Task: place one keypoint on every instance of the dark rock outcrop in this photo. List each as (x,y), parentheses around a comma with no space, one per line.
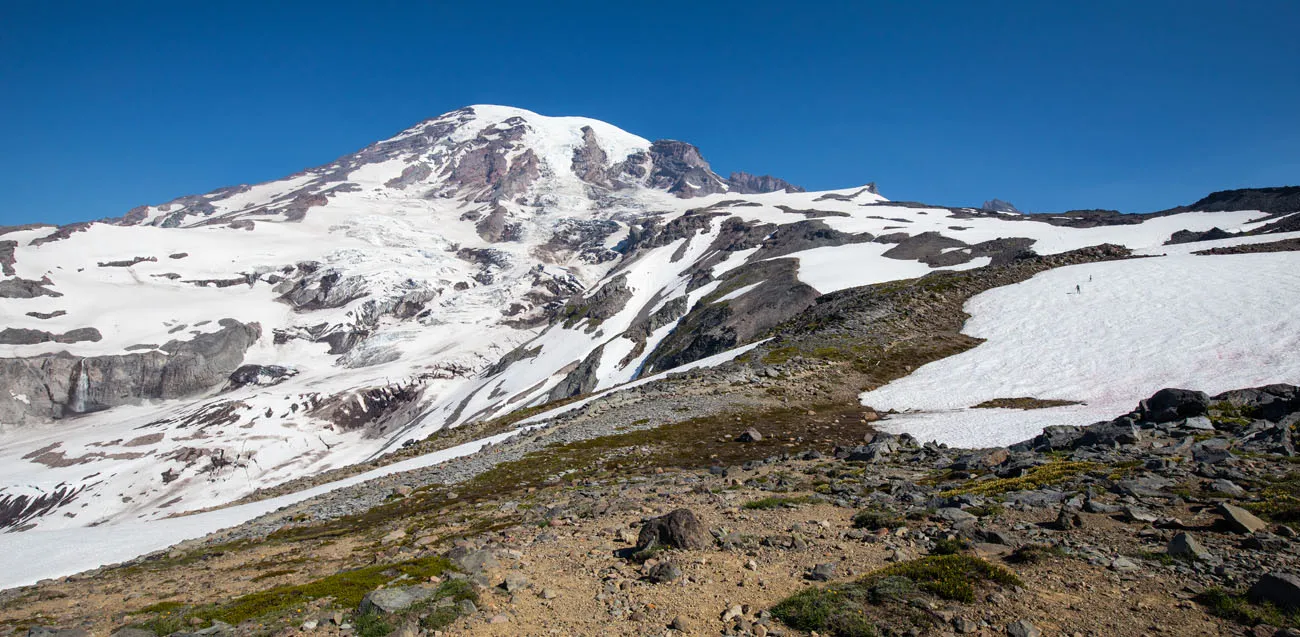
(590,163)
(679,168)
(61,384)
(7,257)
(712,327)
(25,289)
(260,375)
(581,379)
(24,336)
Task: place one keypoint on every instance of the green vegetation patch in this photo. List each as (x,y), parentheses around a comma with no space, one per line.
(890,600)
(444,608)
(345,589)
(1224,414)
(776,502)
(1024,402)
(1236,607)
(876,519)
(1279,499)
(1036,478)
(1036,554)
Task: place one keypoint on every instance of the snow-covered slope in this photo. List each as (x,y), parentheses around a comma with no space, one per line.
(1104,334)
(480,262)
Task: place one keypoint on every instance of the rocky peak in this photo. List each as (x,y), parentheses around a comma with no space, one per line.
(997,205)
(679,168)
(747,184)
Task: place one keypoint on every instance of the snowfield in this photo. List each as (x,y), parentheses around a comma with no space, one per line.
(1210,323)
(40,554)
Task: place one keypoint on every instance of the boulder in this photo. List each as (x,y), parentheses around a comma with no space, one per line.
(1023,628)
(394,600)
(1168,405)
(1239,519)
(1280,589)
(679,529)
(1058,437)
(1066,519)
(472,561)
(982,459)
(1184,545)
(514,583)
(822,572)
(750,435)
(41,631)
(664,573)
(1121,431)
(955,515)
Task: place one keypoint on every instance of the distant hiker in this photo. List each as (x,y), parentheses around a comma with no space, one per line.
(1077,290)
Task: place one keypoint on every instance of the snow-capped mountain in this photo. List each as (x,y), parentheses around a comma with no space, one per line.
(477,263)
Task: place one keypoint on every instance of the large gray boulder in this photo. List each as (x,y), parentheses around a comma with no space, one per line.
(1239,519)
(394,600)
(679,529)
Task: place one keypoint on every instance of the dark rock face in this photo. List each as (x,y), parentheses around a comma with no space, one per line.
(1187,236)
(25,289)
(261,375)
(804,235)
(1174,404)
(23,336)
(609,300)
(321,289)
(61,384)
(412,174)
(7,257)
(586,237)
(63,232)
(939,251)
(16,510)
(679,529)
(376,409)
(711,327)
(127,263)
(590,162)
(679,168)
(581,380)
(747,184)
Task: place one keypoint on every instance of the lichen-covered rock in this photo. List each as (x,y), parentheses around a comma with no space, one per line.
(679,529)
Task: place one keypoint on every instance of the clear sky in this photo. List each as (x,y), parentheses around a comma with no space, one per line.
(1135,105)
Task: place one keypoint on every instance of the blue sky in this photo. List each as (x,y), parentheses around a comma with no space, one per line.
(1051,105)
